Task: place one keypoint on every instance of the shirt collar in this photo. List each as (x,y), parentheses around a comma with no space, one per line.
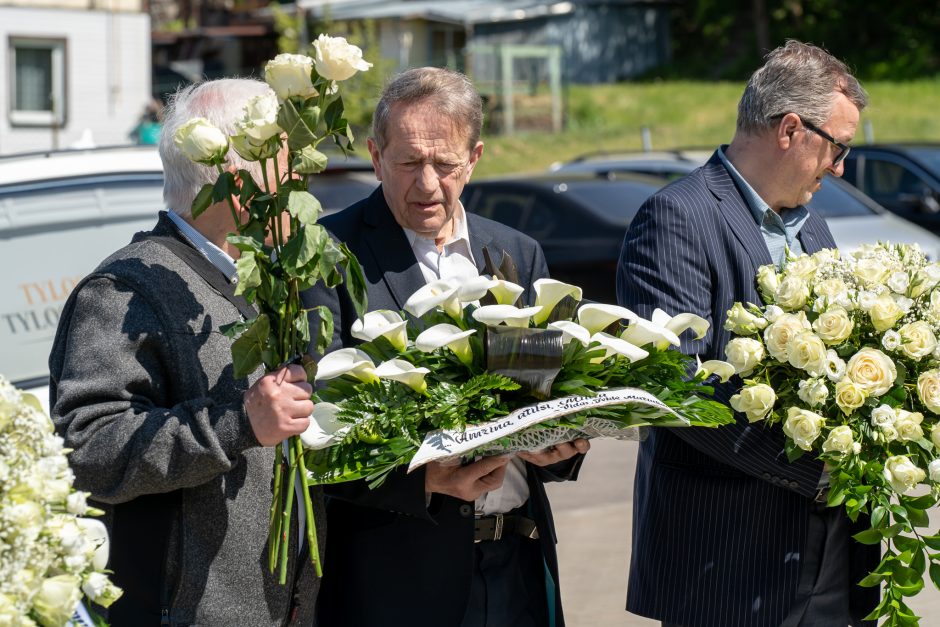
(460,235)
(218,257)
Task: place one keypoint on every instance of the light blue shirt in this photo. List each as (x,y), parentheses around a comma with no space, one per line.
(780,230)
(218,257)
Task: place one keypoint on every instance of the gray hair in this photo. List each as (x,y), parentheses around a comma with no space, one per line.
(221,102)
(448,93)
(796,78)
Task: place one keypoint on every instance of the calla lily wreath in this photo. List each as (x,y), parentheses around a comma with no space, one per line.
(465,353)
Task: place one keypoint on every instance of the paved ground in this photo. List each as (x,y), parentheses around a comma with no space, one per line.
(593,518)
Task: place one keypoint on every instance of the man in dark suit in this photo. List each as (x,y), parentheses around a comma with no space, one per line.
(727,532)
(444,546)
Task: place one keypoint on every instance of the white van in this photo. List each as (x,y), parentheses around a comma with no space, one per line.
(61,214)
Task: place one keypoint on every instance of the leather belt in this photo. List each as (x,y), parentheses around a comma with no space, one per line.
(498,526)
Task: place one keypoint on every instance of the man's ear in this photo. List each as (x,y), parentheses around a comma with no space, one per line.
(788,126)
(375,154)
(475,155)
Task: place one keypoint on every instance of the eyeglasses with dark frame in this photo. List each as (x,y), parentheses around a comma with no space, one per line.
(843,149)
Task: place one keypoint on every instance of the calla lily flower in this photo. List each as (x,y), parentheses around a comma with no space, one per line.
(325,428)
(679,323)
(97,534)
(616,346)
(404,372)
(446,335)
(642,332)
(506,292)
(549,292)
(351,361)
(596,317)
(494,315)
(571,331)
(439,293)
(382,323)
(722,369)
(474,288)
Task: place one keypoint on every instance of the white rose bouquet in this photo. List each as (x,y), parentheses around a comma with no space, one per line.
(466,364)
(844,355)
(50,554)
(283,249)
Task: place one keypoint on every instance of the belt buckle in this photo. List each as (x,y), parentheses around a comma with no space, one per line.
(498,532)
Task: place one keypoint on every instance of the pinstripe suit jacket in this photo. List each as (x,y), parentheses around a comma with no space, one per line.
(720,516)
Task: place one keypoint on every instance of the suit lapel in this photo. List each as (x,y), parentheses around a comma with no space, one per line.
(390,250)
(736,213)
(479,238)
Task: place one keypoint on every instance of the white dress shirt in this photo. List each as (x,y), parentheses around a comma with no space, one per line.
(453,262)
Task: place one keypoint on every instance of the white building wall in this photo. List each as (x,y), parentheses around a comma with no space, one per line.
(107,75)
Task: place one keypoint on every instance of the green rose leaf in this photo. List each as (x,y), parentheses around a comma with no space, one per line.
(309,161)
(244,243)
(333,113)
(249,275)
(202,200)
(249,187)
(249,348)
(299,134)
(324,324)
(302,326)
(356,285)
(224,187)
(304,206)
(868,536)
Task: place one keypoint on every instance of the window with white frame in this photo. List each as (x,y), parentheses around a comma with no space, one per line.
(37,81)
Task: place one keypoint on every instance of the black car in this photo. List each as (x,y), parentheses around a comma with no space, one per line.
(579,220)
(904,178)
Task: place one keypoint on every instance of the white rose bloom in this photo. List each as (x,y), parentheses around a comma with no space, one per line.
(872,370)
(908,425)
(744,354)
(904,303)
(259,120)
(871,271)
(849,395)
(792,293)
(935,436)
(772,312)
(807,352)
(289,75)
(925,279)
(891,340)
(740,321)
(830,288)
(813,392)
(778,335)
(889,433)
(902,474)
(899,282)
(57,598)
(883,416)
(834,325)
(803,427)
(933,468)
(336,59)
(768,281)
(840,441)
(754,401)
(928,390)
(803,266)
(884,313)
(918,340)
(201,141)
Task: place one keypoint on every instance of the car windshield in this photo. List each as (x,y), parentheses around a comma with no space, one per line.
(614,201)
(929,158)
(834,200)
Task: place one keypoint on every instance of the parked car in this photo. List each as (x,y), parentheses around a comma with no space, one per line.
(852,216)
(62,212)
(904,178)
(580,212)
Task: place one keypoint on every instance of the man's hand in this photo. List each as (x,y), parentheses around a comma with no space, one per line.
(466,482)
(279,405)
(556,453)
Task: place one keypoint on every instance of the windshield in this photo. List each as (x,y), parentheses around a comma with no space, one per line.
(614,201)
(835,201)
(929,158)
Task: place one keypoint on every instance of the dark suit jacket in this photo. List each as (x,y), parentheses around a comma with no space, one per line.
(391,558)
(720,516)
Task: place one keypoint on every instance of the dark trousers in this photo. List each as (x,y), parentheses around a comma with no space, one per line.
(508,585)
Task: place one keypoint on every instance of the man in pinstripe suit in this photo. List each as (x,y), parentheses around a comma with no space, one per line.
(726,531)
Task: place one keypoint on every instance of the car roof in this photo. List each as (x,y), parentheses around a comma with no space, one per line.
(40,166)
(545,179)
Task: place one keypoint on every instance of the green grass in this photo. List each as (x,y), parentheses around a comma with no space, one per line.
(688,114)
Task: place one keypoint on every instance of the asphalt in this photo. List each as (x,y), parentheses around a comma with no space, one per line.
(593,517)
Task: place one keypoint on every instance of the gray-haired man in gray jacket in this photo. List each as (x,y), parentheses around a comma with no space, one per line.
(176,450)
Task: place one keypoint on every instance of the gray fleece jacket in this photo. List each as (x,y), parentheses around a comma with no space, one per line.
(142,390)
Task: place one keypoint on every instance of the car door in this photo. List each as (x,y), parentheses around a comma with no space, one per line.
(899,185)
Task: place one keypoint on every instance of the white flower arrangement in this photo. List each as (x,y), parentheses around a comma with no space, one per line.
(50,555)
(844,355)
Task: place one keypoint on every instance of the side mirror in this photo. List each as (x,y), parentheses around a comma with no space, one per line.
(928,201)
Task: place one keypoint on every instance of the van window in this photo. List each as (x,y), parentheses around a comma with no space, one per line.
(52,234)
